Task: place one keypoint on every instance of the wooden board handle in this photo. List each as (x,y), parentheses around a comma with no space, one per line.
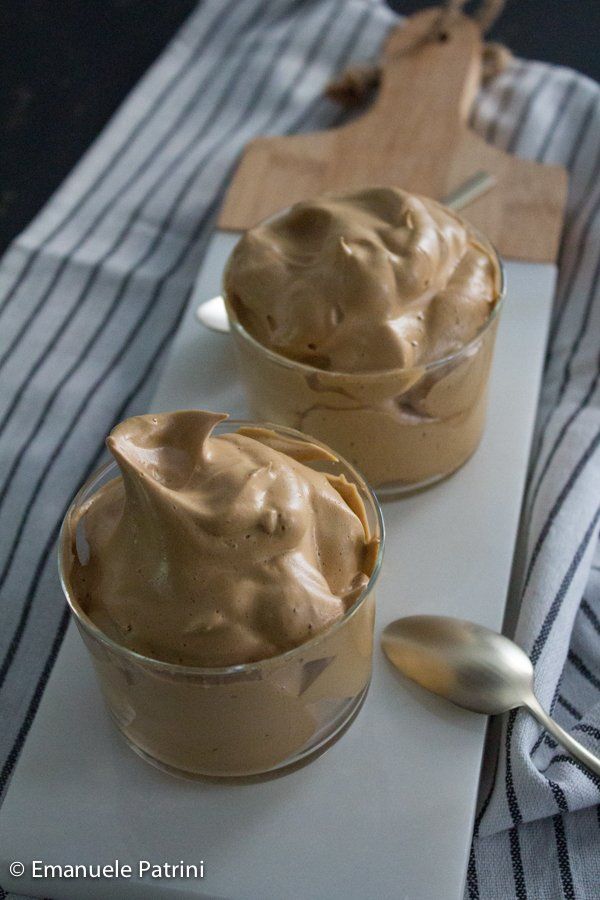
(414,136)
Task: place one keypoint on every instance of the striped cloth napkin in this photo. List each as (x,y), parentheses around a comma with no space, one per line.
(92,292)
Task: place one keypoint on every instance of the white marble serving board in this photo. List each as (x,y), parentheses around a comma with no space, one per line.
(388,811)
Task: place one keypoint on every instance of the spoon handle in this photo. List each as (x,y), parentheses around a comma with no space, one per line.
(574,747)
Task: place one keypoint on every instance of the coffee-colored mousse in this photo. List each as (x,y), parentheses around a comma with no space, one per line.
(367,320)
(217,550)
(374,280)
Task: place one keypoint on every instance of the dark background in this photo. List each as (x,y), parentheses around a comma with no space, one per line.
(67,65)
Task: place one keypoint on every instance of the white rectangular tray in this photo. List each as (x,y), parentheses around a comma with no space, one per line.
(387,812)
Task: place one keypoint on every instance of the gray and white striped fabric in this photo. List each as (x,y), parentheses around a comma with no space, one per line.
(92,292)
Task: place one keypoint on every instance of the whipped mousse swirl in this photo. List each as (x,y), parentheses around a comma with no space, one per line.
(373,280)
(218,550)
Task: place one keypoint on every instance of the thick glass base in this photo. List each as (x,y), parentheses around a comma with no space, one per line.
(319,744)
(398,490)
(395,490)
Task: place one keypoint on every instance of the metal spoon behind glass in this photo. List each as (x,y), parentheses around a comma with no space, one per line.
(473,667)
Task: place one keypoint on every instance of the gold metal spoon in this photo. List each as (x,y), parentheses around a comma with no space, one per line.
(473,667)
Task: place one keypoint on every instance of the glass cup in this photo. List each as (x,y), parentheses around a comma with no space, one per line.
(241,720)
(402,428)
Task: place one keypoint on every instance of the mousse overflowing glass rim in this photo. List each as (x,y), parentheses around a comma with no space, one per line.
(64,547)
(373,374)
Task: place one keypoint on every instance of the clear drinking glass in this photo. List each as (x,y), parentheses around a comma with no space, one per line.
(237,720)
(402,428)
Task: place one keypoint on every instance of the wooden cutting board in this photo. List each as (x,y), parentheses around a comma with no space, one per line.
(414,136)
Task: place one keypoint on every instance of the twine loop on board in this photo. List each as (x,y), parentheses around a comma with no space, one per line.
(352,86)
(485,15)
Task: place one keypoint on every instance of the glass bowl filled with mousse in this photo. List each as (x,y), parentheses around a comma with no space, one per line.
(369,320)
(221,575)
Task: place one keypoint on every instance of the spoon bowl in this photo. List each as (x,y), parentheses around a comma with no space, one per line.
(466,663)
(473,667)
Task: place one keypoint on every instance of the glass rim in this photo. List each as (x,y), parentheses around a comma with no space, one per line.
(276,661)
(373,374)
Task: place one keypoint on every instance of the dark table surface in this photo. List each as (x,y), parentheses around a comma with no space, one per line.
(72,62)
